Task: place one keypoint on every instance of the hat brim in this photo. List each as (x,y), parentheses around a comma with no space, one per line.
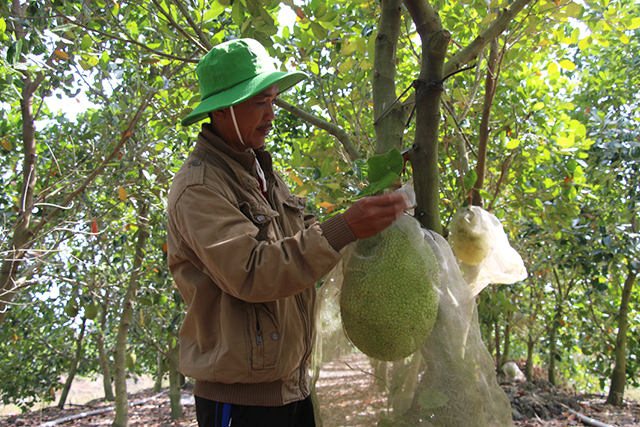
(243,91)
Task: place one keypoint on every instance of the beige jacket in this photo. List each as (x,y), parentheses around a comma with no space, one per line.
(246,268)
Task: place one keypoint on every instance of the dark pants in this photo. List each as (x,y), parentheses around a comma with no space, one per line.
(216,414)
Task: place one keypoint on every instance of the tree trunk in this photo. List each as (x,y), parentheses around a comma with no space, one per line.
(506,347)
(561,296)
(553,349)
(424,155)
(483,132)
(157,385)
(122,407)
(103,359)
(22,234)
(496,327)
(390,128)
(73,369)
(619,374)
(174,381)
(487,326)
(528,369)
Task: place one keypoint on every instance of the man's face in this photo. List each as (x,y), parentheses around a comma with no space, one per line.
(254,117)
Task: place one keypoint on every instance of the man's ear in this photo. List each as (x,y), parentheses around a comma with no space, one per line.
(218,114)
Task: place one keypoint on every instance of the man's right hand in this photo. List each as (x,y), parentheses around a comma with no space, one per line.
(370,215)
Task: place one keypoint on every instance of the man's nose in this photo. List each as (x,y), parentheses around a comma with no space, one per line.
(270,113)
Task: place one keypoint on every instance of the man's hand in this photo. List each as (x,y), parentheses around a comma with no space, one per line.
(370,215)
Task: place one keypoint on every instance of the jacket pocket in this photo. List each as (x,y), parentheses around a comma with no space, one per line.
(265,337)
(294,210)
(262,217)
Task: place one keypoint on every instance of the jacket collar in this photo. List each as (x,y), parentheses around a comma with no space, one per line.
(208,140)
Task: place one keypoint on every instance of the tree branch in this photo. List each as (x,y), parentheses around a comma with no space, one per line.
(114,37)
(203,38)
(494,30)
(178,28)
(503,172)
(331,128)
(389,125)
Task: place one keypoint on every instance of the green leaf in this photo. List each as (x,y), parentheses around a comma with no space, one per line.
(564,141)
(320,11)
(318,30)
(383,171)
(296,158)
(145,301)
(104,59)
(329,16)
(268,19)
(247,24)
(506,304)
(132,26)
(237,13)
(347,65)
(85,65)
(381,164)
(574,10)
(584,43)
(485,195)
(379,186)
(567,65)
(14,51)
(470,179)
(349,48)
(513,143)
(215,9)
(490,17)
(87,42)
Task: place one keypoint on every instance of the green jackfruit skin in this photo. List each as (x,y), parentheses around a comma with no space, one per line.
(389,301)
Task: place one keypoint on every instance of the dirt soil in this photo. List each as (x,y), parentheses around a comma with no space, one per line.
(349,398)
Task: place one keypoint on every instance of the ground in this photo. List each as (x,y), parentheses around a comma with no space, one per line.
(347,395)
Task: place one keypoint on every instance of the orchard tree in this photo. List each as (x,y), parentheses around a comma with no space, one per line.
(505,134)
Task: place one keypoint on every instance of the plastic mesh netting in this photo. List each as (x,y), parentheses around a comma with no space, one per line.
(457,384)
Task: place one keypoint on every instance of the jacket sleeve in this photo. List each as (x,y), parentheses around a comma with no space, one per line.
(223,240)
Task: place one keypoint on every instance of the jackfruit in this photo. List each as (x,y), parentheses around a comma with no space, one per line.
(91,310)
(71,308)
(130,360)
(389,298)
(469,238)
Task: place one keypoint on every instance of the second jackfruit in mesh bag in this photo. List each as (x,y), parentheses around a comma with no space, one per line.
(482,248)
(389,297)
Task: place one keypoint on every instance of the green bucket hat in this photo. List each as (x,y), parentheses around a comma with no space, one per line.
(233,72)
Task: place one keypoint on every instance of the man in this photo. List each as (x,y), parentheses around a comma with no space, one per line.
(243,253)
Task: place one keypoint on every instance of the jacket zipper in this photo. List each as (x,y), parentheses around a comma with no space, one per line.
(259,341)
